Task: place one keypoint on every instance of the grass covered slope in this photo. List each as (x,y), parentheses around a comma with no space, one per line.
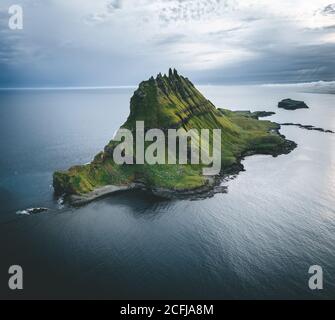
(171,102)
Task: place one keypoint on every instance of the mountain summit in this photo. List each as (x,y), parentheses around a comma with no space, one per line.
(171,101)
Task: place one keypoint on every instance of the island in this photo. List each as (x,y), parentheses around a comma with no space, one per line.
(171,102)
(289,104)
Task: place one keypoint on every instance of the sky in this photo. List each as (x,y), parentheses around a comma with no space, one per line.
(121,42)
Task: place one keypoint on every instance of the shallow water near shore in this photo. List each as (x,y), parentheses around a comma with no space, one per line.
(258,240)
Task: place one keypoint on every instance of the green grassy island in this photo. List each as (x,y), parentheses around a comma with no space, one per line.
(172,102)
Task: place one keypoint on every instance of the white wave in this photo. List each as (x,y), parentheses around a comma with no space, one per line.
(23,212)
(60,202)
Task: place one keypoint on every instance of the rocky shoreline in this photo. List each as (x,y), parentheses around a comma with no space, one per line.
(213,183)
(212,186)
(79,200)
(306,127)
(206,191)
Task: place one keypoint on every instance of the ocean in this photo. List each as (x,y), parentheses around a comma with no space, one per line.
(257,241)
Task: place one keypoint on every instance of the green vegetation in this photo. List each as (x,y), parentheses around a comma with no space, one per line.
(172,101)
(254,115)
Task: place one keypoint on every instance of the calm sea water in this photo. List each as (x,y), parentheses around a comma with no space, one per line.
(256,241)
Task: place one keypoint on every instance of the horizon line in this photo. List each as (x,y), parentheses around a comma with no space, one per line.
(67,88)
(135,86)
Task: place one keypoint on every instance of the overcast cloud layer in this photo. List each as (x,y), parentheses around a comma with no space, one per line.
(120,42)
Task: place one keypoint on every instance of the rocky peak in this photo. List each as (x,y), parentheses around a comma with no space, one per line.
(168,101)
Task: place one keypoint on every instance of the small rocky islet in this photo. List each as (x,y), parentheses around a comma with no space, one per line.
(289,104)
(172,101)
(32,211)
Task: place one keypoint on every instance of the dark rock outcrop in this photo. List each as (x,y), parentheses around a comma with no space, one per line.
(289,104)
(32,211)
(306,127)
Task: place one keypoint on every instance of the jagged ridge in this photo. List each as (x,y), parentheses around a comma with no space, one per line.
(171,102)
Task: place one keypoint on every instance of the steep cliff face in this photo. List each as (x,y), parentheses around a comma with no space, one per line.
(171,102)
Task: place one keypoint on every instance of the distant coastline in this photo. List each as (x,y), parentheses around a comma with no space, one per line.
(327,87)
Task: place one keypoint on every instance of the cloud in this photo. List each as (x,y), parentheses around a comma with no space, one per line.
(114,5)
(121,42)
(329,10)
(315,87)
(105,14)
(190,10)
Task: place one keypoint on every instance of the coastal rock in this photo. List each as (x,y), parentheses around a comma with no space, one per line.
(79,200)
(32,211)
(307,127)
(262,114)
(289,104)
